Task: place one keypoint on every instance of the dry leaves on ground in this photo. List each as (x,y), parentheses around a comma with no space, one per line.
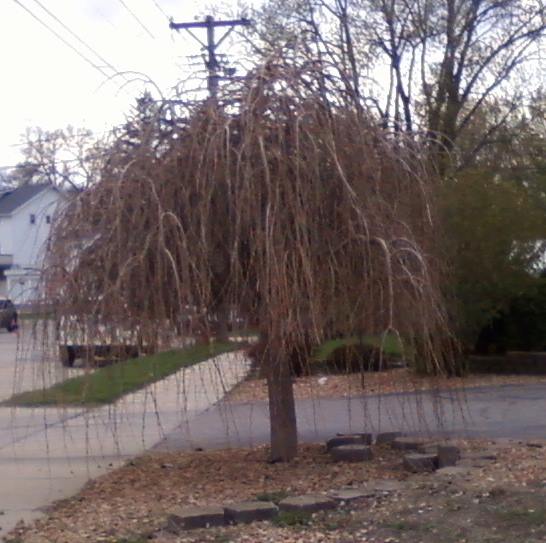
(131,503)
(396,380)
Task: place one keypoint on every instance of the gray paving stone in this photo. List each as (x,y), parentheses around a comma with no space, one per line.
(428,449)
(480,455)
(448,455)
(385,438)
(349,439)
(419,463)
(351,453)
(473,463)
(387,485)
(188,518)
(350,494)
(245,512)
(410,443)
(454,471)
(308,503)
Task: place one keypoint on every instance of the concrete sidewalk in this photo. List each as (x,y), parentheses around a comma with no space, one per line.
(49,453)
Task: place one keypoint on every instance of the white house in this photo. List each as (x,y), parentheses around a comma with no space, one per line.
(26,214)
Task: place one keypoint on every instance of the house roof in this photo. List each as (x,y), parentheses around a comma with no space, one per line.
(11,199)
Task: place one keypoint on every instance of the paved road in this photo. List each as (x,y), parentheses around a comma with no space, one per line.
(511,411)
(49,454)
(23,365)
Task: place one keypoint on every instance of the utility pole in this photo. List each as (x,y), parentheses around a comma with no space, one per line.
(212,64)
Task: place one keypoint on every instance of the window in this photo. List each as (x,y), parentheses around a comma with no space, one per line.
(32,218)
(48,219)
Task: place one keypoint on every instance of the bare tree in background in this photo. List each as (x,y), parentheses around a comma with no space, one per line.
(67,158)
(425,66)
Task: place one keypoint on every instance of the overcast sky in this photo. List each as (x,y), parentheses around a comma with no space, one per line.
(44,83)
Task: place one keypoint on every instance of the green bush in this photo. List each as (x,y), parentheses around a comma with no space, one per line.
(522,326)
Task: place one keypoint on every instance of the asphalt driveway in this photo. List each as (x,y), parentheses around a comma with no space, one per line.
(510,411)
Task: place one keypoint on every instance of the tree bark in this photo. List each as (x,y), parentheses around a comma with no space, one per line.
(282,409)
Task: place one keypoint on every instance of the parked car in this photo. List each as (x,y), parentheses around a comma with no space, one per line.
(8,315)
(101,347)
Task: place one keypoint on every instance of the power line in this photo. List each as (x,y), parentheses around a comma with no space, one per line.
(136,18)
(58,36)
(156,3)
(72,33)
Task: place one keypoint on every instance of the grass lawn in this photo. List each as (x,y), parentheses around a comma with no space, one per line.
(34,315)
(391,345)
(107,384)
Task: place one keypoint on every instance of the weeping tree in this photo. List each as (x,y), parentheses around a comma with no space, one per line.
(289,208)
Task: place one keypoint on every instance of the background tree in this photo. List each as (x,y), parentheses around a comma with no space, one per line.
(64,158)
(496,231)
(424,66)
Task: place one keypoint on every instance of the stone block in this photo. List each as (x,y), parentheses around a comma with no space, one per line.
(350,494)
(349,439)
(351,453)
(188,518)
(308,503)
(385,438)
(250,512)
(420,463)
(386,486)
(473,463)
(428,449)
(448,455)
(410,443)
(486,455)
(454,471)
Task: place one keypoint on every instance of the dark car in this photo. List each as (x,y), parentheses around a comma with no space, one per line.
(8,315)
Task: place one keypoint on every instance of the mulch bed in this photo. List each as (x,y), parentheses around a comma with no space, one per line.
(396,380)
(131,504)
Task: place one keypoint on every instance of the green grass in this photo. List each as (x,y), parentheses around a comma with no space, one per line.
(34,316)
(530,517)
(292,518)
(274,497)
(107,384)
(391,345)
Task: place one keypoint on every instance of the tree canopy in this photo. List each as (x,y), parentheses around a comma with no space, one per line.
(309,221)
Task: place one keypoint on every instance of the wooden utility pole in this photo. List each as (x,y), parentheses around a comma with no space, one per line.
(212,64)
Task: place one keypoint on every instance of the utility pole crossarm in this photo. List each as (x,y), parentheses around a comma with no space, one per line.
(210,24)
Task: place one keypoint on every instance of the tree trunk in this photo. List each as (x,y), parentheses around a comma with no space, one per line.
(282,409)
(222,324)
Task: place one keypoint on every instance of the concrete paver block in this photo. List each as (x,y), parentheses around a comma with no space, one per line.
(188,518)
(250,512)
(351,453)
(480,455)
(454,471)
(386,486)
(419,463)
(349,439)
(350,494)
(385,438)
(410,443)
(307,503)
(448,455)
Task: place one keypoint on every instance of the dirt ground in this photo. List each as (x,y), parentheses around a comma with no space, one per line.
(396,380)
(502,500)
